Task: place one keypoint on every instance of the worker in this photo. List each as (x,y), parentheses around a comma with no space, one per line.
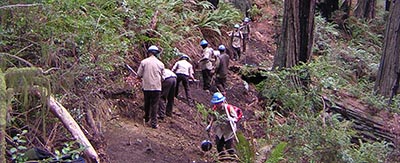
(184,71)
(150,71)
(221,69)
(225,117)
(206,64)
(167,93)
(236,41)
(245,28)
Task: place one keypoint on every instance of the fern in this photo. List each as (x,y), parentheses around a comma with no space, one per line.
(277,153)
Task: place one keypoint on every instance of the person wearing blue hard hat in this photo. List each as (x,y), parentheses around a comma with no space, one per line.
(150,72)
(206,64)
(223,122)
(221,69)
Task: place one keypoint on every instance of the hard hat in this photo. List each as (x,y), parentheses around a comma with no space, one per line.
(217,98)
(153,48)
(206,145)
(203,42)
(237,26)
(246,19)
(221,47)
(184,56)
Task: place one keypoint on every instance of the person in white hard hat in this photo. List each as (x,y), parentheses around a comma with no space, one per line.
(245,28)
(236,41)
(184,71)
(150,71)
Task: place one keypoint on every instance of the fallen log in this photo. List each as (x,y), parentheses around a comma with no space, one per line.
(73,128)
(370,125)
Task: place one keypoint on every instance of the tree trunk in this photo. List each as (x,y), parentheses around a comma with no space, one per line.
(3,119)
(346,7)
(369,125)
(296,40)
(327,7)
(389,70)
(365,9)
(387,5)
(73,128)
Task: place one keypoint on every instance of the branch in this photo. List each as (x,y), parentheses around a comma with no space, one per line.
(20,5)
(18,58)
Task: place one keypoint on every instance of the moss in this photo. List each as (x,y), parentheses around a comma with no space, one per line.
(3,113)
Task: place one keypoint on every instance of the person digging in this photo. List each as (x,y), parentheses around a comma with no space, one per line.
(225,117)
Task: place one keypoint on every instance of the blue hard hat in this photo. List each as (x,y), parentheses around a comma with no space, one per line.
(203,42)
(217,98)
(206,145)
(153,48)
(221,47)
(246,20)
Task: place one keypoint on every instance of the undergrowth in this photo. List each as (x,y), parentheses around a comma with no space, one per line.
(341,63)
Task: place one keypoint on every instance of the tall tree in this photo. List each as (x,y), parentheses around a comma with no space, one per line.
(296,38)
(365,9)
(3,113)
(387,82)
(387,5)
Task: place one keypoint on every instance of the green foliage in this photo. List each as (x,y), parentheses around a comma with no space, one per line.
(69,152)
(277,153)
(18,151)
(203,110)
(245,149)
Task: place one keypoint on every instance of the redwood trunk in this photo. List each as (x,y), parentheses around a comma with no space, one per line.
(365,9)
(389,70)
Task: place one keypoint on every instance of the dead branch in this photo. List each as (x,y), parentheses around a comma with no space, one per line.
(73,128)
(18,58)
(19,5)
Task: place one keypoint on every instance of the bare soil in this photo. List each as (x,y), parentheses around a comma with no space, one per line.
(178,138)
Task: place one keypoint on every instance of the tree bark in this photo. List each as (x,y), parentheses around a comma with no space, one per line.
(387,5)
(365,9)
(73,128)
(389,69)
(295,45)
(3,117)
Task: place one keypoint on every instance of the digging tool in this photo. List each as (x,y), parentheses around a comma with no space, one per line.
(232,123)
(131,69)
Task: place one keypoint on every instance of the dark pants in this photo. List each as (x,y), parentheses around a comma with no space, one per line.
(185,82)
(236,52)
(220,82)
(206,79)
(151,99)
(221,143)
(167,96)
(245,39)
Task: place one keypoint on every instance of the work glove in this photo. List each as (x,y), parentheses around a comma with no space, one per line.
(208,127)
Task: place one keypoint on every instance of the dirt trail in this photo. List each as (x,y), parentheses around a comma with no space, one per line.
(178,137)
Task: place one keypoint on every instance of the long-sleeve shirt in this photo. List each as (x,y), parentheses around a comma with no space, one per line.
(205,62)
(221,65)
(183,67)
(151,70)
(168,74)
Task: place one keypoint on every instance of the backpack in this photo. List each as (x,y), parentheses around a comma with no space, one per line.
(238,111)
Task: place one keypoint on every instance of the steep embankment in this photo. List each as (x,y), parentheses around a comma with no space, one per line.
(179,137)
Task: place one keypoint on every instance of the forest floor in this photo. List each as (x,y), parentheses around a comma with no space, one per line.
(179,137)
